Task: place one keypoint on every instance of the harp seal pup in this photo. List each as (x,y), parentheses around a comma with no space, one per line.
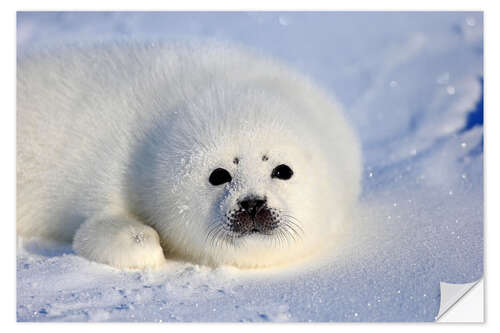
(203,151)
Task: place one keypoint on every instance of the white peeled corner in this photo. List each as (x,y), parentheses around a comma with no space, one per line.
(470,307)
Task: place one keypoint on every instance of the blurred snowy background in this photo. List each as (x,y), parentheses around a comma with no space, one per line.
(411,84)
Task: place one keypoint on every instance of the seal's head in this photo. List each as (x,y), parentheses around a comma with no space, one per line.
(236,178)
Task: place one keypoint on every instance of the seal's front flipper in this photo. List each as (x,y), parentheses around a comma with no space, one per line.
(119,240)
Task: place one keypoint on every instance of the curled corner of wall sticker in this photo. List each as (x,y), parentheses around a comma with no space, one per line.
(461,303)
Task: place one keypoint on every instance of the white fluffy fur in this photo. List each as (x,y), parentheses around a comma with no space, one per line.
(116,144)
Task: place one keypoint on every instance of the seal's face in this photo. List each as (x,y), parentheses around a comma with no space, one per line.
(251,199)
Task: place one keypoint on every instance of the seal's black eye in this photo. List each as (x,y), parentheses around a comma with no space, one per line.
(219,176)
(282,171)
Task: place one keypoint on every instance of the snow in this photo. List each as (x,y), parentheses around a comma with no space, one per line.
(412,87)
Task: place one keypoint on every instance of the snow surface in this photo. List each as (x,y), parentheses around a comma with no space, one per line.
(412,87)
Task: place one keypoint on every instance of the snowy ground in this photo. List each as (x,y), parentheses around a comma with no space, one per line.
(412,87)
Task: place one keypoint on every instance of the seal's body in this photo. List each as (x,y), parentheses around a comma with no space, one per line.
(198,150)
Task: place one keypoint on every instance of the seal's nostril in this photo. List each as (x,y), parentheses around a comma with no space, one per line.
(252,206)
(259,204)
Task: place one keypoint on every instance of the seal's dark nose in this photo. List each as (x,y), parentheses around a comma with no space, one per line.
(252,205)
